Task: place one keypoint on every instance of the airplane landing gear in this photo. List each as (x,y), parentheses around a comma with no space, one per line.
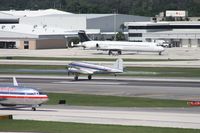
(109,52)
(160,53)
(33,108)
(89,77)
(119,52)
(76,77)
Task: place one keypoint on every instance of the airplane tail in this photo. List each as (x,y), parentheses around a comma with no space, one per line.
(15,82)
(118,64)
(83,37)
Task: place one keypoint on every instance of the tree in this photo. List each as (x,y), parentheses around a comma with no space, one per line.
(120,36)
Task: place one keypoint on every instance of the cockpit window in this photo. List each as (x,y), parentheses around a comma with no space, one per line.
(42,93)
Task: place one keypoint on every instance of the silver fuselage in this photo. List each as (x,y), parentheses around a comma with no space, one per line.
(87,68)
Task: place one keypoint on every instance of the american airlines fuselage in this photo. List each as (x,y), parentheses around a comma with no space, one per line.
(15,95)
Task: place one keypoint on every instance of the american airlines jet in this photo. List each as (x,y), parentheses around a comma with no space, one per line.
(89,69)
(15,95)
(118,46)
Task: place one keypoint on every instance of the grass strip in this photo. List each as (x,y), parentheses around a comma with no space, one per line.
(128,71)
(85,59)
(63,127)
(112,101)
(162,71)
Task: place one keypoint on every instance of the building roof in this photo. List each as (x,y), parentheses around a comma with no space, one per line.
(31,29)
(7,16)
(34,13)
(92,16)
(36,31)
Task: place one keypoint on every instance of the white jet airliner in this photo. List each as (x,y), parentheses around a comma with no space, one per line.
(78,68)
(15,95)
(118,46)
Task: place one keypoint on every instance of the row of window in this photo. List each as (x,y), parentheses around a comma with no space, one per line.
(166,27)
(135,34)
(18,93)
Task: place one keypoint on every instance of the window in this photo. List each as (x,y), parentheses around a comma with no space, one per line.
(135,34)
(26,44)
(166,27)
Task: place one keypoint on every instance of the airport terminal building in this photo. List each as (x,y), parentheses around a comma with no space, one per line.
(177,33)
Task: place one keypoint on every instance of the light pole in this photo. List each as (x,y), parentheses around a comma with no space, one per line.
(115,22)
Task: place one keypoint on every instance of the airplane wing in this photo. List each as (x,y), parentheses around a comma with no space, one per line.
(106,47)
(81,70)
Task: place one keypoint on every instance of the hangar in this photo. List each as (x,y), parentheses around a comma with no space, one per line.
(51,28)
(39,29)
(30,37)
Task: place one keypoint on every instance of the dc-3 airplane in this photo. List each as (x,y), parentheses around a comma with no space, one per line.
(117,46)
(78,68)
(13,96)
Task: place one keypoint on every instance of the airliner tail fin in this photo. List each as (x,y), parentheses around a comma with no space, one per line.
(15,82)
(83,36)
(118,64)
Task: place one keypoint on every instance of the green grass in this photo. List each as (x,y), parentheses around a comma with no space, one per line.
(5,66)
(61,127)
(163,71)
(112,101)
(85,59)
(129,71)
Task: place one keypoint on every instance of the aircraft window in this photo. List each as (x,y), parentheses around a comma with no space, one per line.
(13,93)
(17,93)
(29,93)
(4,92)
(42,93)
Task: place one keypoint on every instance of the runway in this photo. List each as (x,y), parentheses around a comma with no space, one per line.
(177,118)
(185,89)
(164,88)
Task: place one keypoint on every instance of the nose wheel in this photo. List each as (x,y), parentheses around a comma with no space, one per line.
(76,77)
(89,77)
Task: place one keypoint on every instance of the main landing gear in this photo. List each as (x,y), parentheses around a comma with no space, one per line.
(76,77)
(89,77)
(33,108)
(110,52)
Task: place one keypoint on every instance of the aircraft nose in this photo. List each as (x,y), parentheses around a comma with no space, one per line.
(45,98)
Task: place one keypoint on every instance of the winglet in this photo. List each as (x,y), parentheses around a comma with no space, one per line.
(15,82)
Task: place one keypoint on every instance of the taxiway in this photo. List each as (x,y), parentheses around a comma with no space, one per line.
(176,118)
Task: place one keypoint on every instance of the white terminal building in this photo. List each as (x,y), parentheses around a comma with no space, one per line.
(180,34)
(177,33)
(52,28)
